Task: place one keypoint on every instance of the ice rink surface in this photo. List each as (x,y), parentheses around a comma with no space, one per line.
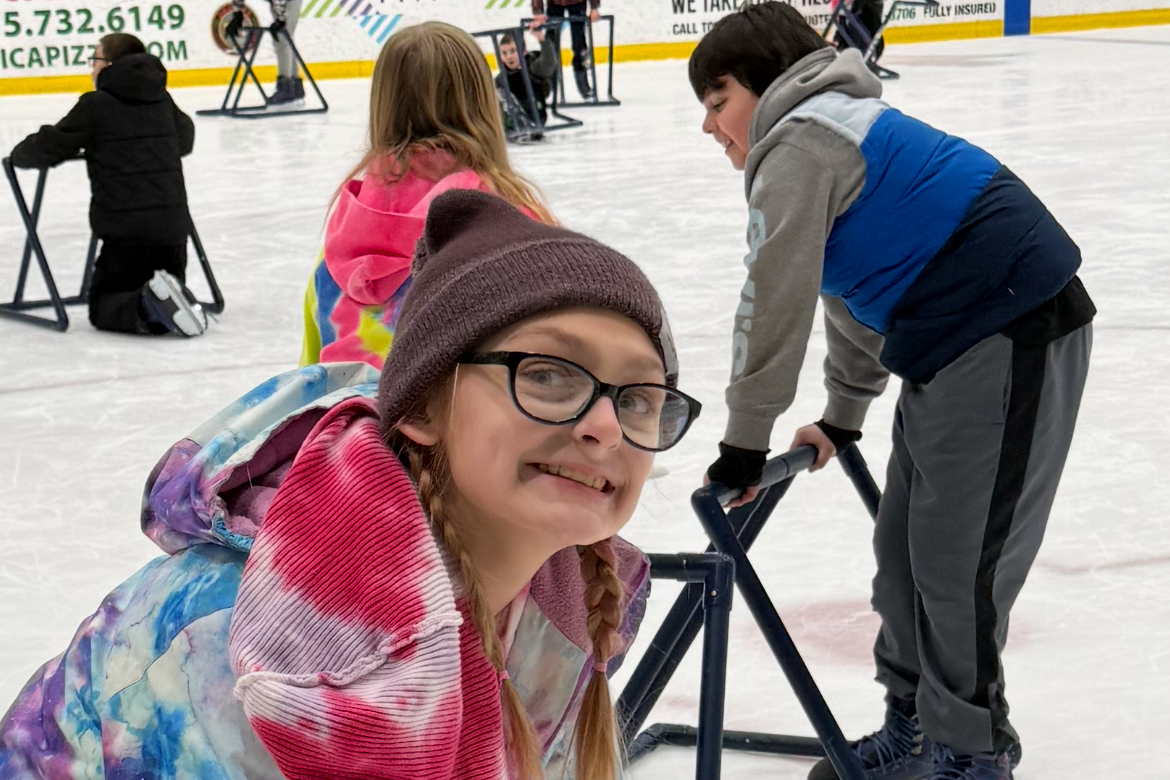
(1083,118)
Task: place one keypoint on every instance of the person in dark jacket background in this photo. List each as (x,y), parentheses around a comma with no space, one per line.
(573,9)
(133,136)
(542,67)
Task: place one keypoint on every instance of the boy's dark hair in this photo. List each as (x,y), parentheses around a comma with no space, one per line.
(753,46)
(115,46)
(506,39)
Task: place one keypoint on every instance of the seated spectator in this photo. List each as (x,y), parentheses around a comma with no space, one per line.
(542,69)
(133,136)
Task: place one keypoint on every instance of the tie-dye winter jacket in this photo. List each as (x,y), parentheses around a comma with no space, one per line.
(303,623)
(356,291)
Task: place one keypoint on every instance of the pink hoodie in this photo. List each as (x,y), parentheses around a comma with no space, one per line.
(355,295)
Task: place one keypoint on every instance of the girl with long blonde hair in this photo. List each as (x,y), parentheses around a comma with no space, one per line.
(434,126)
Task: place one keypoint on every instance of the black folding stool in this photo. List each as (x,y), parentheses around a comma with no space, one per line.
(19,308)
(856,36)
(525,118)
(245,71)
(732,534)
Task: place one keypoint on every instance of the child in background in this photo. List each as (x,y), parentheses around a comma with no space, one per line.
(434,126)
(936,264)
(414,579)
(542,68)
(133,136)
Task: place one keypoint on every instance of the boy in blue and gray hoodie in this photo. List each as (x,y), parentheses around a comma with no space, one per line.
(936,264)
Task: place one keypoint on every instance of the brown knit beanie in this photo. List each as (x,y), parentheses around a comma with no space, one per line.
(481,266)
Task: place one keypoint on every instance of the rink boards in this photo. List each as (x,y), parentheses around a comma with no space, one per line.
(45,44)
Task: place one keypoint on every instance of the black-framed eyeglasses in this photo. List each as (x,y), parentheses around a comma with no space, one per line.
(92,60)
(556,391)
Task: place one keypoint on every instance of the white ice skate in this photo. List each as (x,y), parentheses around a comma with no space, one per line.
(169,297)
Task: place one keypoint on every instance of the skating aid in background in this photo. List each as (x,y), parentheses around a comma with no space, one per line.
(523,127)
(559,99)
(20,308)
(246,51)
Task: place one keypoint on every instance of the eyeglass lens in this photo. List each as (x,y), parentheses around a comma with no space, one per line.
(650,416)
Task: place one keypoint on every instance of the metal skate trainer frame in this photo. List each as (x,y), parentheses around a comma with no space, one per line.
(19,308)
(732,534)
(857,37)
(559,100)
(245,71)
(523,126)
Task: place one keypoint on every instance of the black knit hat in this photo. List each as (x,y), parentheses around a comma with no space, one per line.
(481,266)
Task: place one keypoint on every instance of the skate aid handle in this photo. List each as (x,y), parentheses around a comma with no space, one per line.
(776,470)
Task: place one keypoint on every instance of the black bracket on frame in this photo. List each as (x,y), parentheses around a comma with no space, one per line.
(732,533)
(19,308)
(245,70)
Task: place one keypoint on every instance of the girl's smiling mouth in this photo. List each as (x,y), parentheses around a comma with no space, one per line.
(598,483)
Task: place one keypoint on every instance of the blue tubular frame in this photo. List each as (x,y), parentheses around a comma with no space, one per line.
(678,631)
(18,308)
(732,534)
(710,575)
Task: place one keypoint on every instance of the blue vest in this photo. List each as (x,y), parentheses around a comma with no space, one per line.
(919,182)
(943,247)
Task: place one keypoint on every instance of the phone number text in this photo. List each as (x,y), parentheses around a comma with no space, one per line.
(82,21)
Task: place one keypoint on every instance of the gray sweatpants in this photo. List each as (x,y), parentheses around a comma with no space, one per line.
(286,64)
(978,452)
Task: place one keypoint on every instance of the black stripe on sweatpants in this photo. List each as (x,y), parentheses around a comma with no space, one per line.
(1027,380)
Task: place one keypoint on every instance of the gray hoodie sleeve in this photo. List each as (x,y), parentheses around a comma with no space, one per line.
(854,376)
(545,64)
(802,185)
(794,199)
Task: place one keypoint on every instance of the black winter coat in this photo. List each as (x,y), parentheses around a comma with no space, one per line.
(133,135)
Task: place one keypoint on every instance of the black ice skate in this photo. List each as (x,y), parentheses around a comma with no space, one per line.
(290,93)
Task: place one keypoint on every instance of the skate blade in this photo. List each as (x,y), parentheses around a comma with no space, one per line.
(188,317)
(292,105)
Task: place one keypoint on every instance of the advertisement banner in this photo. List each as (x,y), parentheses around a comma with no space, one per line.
(46,39)
(54,37)
(689,19)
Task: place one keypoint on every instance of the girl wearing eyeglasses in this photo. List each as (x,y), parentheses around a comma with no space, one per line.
(421,579)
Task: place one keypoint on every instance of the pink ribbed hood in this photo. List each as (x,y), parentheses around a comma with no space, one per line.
(371,234)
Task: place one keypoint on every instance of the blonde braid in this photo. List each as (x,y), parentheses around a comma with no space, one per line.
(433,480)
(596,734)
